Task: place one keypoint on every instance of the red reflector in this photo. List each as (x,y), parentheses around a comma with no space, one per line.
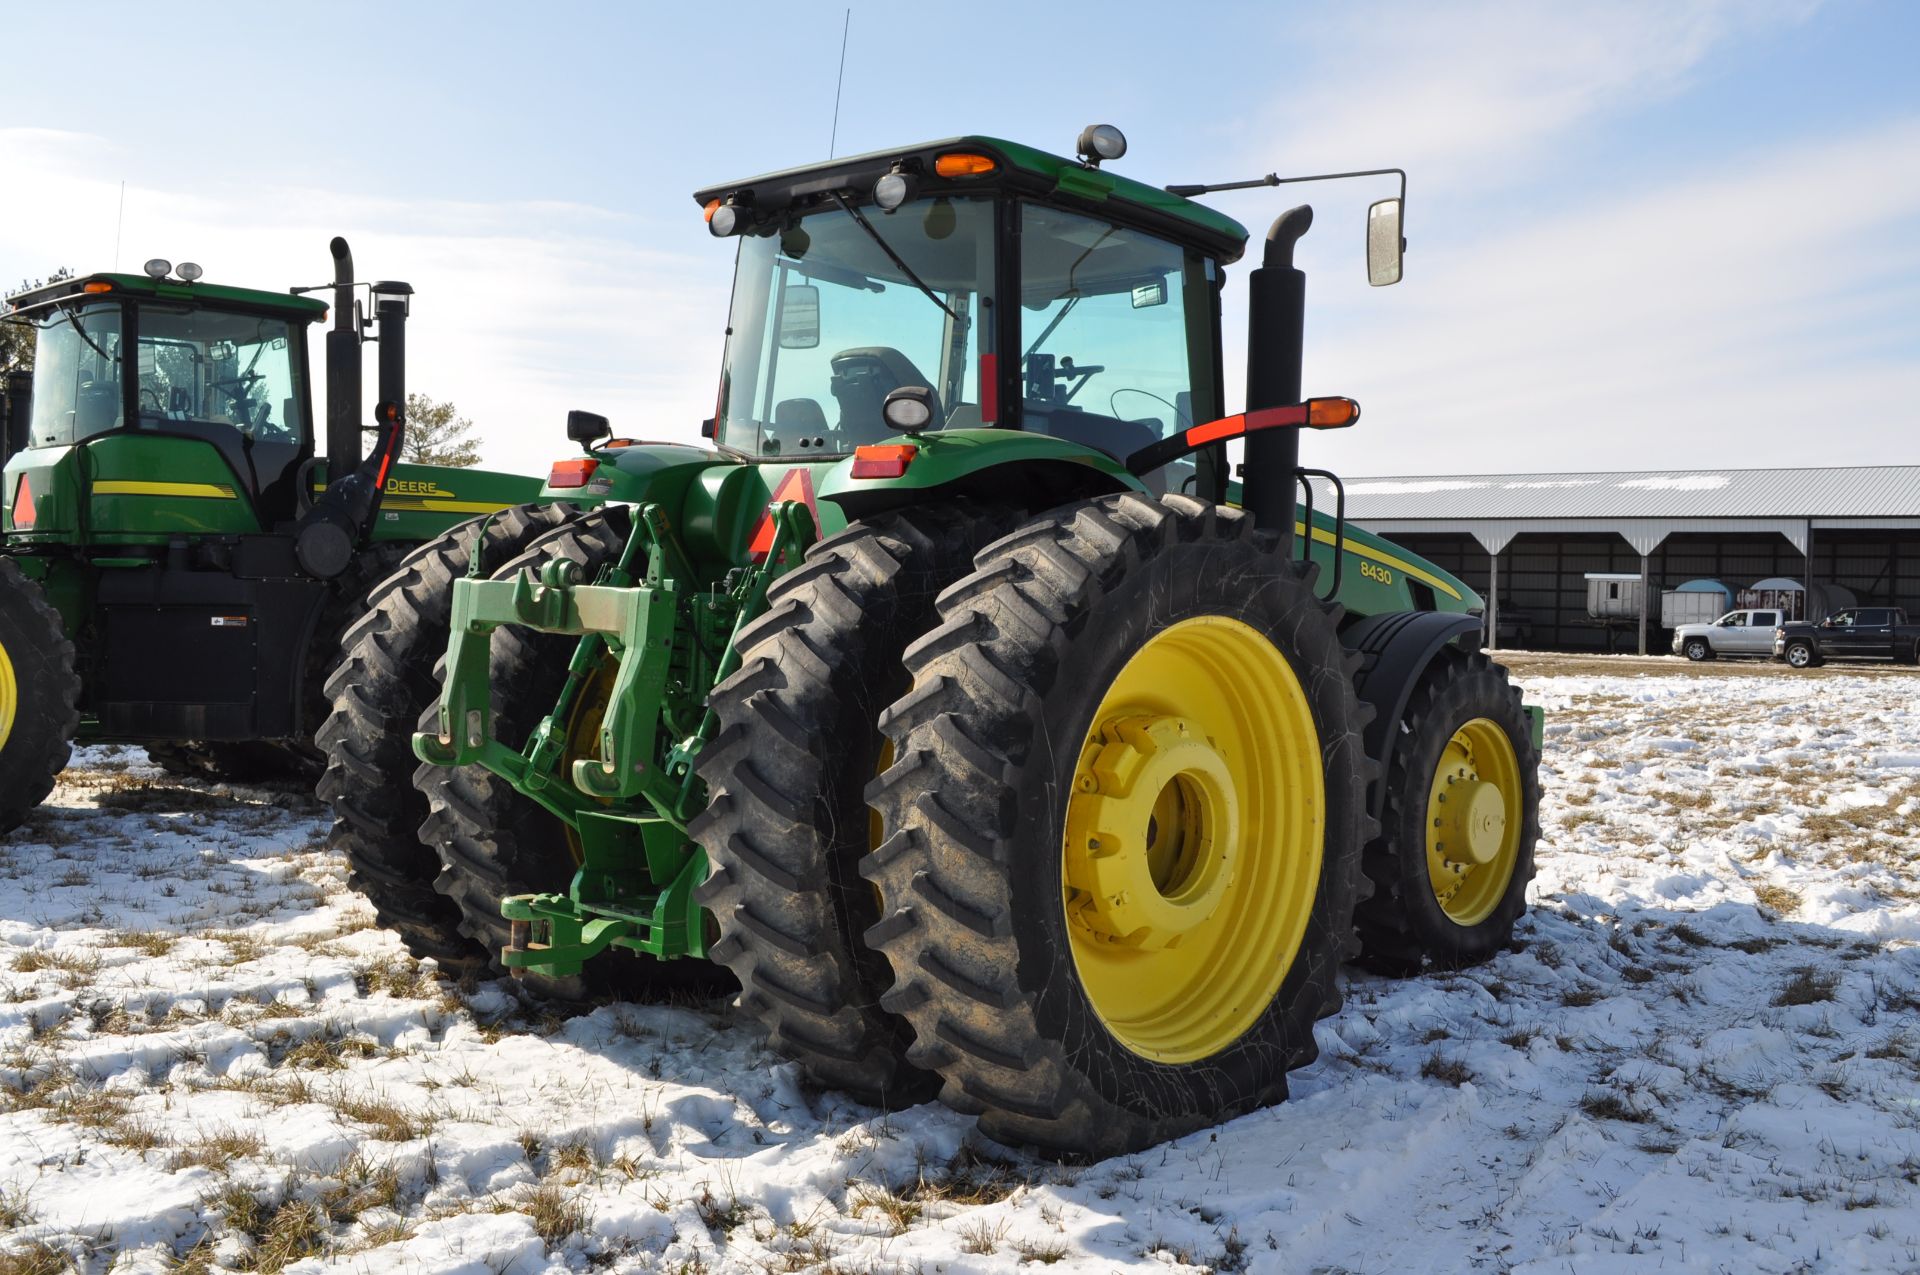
(797,485)
(24,515)
(572,473)
(883,460)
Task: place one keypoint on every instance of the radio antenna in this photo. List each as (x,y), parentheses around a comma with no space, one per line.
(119,219)
(838,80)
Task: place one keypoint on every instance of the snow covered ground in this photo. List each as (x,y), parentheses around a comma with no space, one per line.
(1705,1055)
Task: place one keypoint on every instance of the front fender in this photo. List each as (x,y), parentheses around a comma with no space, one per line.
(1007,466)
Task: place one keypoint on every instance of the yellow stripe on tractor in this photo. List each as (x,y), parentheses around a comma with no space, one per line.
(194,491)
(1322,536)
(415,505)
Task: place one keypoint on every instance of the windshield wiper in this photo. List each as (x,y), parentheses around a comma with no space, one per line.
(73,317)
(892,256)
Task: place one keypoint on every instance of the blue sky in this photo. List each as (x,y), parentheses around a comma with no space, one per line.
(1640,235)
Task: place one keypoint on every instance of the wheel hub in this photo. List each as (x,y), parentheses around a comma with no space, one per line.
(1472,821)
(1151,832)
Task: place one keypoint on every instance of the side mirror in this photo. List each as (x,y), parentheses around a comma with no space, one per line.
(1385,244)
(800,317)
(1149,294)
(587,428)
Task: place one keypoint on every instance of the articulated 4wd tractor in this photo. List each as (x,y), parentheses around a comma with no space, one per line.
(179,567)
(963,699)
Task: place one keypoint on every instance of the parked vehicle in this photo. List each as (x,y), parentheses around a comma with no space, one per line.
(960,712)
(1735,633)
(1695,602)
(1859,633)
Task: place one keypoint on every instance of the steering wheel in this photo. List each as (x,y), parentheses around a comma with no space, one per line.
(159,399)
(245,384)
(1179,417)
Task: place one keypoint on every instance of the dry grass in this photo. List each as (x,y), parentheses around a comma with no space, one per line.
(37,1258)
(216,1150)
(1777,899)
(1808,986)
(555,1216)
(900,1212)
(145,942)
(1448,1071)
(389,1121)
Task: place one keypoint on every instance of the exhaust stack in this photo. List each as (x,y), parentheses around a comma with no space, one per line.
(1276,319)
(343,369)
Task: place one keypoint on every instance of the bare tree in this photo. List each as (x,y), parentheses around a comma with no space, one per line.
(16,338)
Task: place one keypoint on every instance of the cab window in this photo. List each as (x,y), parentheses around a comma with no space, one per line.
(76,375)
(1116,334)
(205,367)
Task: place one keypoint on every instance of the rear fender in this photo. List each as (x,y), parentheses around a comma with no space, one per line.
(1396,648)
(1006,466)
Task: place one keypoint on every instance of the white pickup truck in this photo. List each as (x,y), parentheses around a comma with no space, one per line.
(1735,633)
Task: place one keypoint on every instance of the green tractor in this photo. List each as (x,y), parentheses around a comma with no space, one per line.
(179,567)
(987,698)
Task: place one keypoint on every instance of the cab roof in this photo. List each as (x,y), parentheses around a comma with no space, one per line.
(1022,167)
(301,309)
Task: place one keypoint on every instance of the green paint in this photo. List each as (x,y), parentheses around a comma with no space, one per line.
(212,295)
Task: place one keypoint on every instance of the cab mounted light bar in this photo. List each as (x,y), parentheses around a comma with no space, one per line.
(1315,413)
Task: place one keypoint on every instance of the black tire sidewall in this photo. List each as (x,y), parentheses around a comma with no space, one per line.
(1696,649)
(1805,650)
(39,744)
(1477,691)
(1238,580)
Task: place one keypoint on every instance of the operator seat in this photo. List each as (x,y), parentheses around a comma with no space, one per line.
(862,379)
(797,419)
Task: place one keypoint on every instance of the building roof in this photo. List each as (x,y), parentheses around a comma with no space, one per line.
(1643,506)
(1861,491)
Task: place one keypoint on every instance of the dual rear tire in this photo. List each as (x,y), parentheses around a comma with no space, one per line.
(39,694)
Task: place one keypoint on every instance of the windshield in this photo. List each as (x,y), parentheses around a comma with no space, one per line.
(825,323)
(1116,335)
(214,368)
(76,374)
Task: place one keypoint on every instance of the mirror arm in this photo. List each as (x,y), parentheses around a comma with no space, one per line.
(1274,179)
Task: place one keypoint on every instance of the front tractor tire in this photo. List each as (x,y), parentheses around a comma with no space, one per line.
(1122,831)
(1458,826)
(788,822)
(39,694)
(375,694)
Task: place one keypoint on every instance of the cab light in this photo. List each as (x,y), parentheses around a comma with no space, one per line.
(98,285)
(24,514)
(572,473)
(883,460)
(963,164)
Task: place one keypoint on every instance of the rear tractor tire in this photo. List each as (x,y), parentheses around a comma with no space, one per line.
(1451,866)
(383,681)
(788,821)
(1123,827)
(39,694)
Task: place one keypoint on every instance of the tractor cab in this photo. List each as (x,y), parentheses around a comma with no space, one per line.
(1023,290)
(191,395)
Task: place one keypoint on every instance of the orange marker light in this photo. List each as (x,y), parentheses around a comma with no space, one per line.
(883,460)
(963,164)
(711,205)
(572,473)
(1332,413)
(97,285)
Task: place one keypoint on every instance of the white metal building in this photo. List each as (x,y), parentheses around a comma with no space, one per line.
(1527,541)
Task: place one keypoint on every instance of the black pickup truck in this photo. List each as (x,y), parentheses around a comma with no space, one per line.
(1860,633)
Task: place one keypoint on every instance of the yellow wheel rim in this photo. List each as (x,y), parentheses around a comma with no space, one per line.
(9,696)
(1473,821)
(583,733)
(1192,848)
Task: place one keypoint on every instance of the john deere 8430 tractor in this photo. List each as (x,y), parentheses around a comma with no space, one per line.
(178,565)
(987,697)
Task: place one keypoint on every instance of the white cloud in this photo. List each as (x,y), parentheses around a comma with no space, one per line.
(522,311)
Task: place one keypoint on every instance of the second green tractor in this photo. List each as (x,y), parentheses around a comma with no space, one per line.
(987,697)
